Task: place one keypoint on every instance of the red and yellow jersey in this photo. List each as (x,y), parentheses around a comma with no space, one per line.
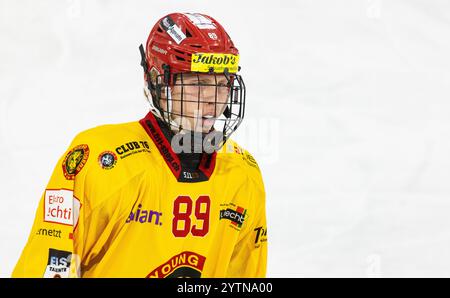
(121,204)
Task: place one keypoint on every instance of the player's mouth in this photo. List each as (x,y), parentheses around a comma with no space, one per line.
(208,120)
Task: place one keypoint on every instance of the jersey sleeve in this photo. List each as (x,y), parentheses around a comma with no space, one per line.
(249,258)
(56,236)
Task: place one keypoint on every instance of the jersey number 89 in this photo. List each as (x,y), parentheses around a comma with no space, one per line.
(182,210)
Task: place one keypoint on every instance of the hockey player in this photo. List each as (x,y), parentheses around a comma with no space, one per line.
(170,195)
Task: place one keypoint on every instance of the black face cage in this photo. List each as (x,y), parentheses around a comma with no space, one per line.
(226,121)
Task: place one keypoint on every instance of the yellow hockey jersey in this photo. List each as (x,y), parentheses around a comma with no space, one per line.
(120,203)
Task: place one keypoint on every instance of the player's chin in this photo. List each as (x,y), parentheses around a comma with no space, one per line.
(203,130)
(202,127)
(206,129)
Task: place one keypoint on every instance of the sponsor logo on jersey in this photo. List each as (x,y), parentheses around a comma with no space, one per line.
(260,236)
(61,207)
(58,264)
(145,216)
(238,149)
(131,148)
(107,160)
(246,156)
(205,62)
(235,214)
(190,175)
(49,232)
(250,160)
(75,160)
(185,264)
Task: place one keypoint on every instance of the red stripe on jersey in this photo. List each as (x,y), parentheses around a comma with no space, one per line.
(154,131)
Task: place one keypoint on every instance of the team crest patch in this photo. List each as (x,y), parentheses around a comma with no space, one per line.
(107,160)
(75,160)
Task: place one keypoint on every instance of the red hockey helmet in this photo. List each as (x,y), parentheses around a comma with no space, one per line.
(177,36)
(182,43)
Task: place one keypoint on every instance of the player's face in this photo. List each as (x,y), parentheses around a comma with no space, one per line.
(204,100)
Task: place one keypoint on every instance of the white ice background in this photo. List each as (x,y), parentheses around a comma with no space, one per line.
(347,114)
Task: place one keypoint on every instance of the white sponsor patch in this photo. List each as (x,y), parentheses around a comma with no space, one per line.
(173,30)
(60,207)
(176,33)
(200,21)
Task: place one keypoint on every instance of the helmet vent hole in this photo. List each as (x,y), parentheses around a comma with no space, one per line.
(180,58)
(188,33)
(196,46)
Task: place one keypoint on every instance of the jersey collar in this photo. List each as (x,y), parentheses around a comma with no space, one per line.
(181,173)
